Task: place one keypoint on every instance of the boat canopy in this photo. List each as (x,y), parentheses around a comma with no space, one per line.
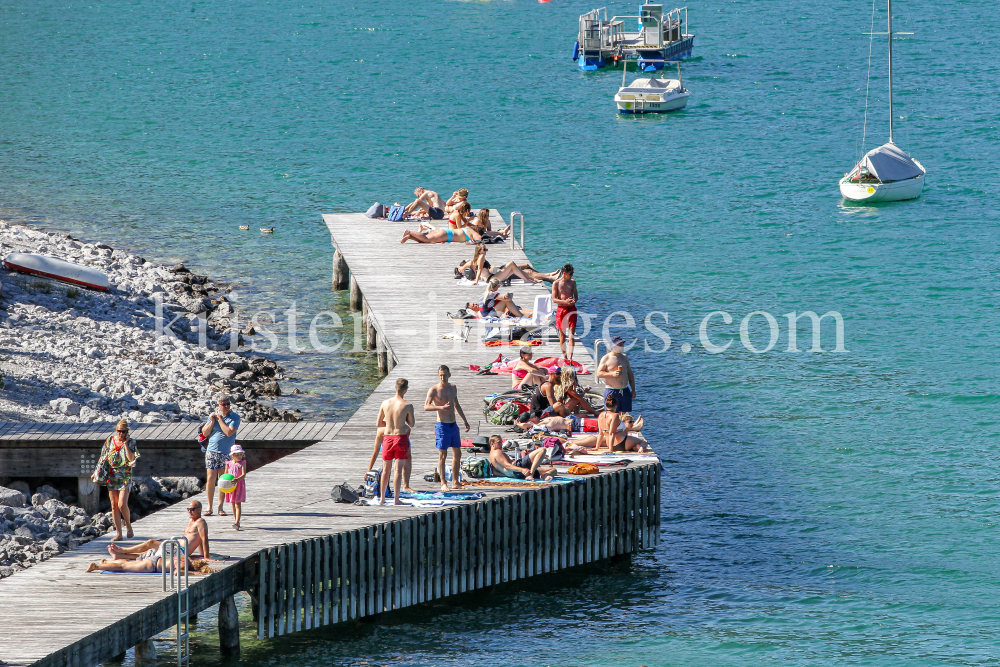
(889,163)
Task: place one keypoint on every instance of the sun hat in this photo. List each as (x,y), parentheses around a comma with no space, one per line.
(236,449)
(553,369)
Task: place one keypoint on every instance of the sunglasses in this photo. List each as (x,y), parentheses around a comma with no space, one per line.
(193,509)
(224,405)
(123,430)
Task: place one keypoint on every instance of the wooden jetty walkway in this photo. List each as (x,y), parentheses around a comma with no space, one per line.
(307,561)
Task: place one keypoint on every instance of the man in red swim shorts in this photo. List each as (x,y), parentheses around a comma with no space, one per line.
(395,415)
(564,295)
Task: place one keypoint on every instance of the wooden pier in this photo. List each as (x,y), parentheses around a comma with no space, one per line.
(307,561)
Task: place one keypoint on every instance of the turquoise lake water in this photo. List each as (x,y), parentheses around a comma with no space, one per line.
(818,508)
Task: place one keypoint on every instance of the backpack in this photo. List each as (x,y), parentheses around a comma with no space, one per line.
(395,213)
(554,448)
(372,479)
(343,493)
(505,415)
(477,467)
(376,211)
(583,469)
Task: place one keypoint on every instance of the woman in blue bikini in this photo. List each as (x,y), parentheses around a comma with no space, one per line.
(464,235)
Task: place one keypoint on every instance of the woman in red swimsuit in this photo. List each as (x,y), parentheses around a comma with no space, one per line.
(525,373)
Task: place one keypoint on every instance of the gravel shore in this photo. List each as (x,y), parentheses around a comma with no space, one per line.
(75,355)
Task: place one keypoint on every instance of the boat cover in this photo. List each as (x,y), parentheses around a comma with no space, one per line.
(650,86)
(889,163)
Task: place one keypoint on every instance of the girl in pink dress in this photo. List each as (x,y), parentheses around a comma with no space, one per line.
(237,467)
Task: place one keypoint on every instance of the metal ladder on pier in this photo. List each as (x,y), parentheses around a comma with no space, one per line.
(174,580)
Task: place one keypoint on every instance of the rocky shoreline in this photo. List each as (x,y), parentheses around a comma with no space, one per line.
(76,355)
(159,346)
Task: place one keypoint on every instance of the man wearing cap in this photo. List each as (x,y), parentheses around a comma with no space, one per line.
(544,398)
(616,371)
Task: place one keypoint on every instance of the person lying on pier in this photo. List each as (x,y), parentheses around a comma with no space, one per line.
(395,417)
(428,203)
(527,465)
(147,556)
(478,268)
(407,467)
(464,235)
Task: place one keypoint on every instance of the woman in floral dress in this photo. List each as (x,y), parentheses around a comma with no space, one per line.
(120,453)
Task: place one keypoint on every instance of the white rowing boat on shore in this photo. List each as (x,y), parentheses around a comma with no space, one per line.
(57,269)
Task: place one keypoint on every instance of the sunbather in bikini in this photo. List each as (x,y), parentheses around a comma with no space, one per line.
(525,373)
(479,269)
(465,235)
(495,304)
(613,434)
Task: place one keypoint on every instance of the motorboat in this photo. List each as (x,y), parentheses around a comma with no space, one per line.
(885,173)
(652,95)
(57,269)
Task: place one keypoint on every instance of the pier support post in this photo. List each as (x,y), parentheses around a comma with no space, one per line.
(372,335)
(145,653)
(383,358)
(229,627)
(88,495)
(340,271)
(355,294)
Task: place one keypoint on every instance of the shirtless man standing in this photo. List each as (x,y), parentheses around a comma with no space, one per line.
(565,296)
(427,201)
(395,415)
(443,399)
(145,556)
(616,371)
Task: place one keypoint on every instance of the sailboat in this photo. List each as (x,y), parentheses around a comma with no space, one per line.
(885,173)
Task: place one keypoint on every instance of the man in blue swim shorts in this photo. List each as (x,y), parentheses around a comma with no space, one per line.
(443,399)
(616,371)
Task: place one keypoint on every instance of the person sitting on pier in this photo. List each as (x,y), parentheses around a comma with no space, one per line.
(464,235)
(459,196)
(495,304)
(428,203)
(459,216)
(483,220)
(568,392)
(586,443)
(148,556)
(525,373)
(527,465)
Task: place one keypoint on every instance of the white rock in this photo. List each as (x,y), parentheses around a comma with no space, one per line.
(12,497)
(65,406)
(95,353)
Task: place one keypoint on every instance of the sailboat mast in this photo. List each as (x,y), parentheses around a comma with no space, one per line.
(889,2)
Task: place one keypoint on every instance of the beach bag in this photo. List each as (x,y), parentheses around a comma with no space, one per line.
(376,211)
(469,273)
(343,493)
(554,448)
(102,473)
(395,213)
(583,469)
(481,444)
(477,467)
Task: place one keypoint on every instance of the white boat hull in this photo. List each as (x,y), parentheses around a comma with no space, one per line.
(876,192)
(642,106)
(57,269)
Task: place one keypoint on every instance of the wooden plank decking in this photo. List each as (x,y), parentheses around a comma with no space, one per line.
(55,614)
